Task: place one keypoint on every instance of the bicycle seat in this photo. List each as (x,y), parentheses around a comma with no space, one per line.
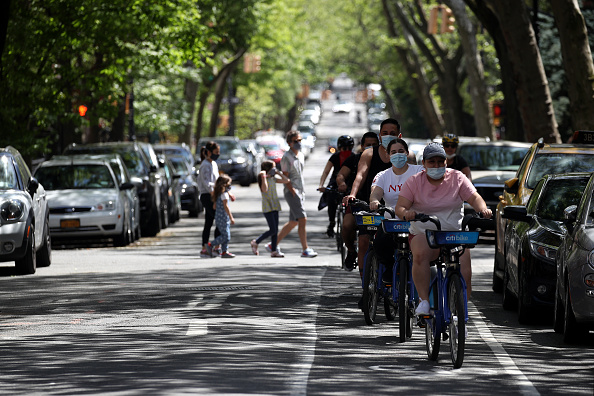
(436,239)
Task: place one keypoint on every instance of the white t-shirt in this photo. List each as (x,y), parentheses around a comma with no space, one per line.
(392,183)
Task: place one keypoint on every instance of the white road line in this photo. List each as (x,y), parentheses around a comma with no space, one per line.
(526,387)
(197,327)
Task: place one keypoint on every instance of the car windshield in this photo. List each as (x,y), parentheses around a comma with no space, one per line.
(132,158)
(180,165)
(230,148)
(559,194)
(65,177)
(492,157)
(8,176)
(546,164)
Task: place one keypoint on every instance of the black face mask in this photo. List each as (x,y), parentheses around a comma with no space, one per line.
(214,157)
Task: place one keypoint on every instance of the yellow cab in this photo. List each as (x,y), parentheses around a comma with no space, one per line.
(540,160)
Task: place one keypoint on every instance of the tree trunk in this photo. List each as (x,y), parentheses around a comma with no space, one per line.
(474,68)
(190,92)
(532,89)
(204,93)
(577,61)
(220,85)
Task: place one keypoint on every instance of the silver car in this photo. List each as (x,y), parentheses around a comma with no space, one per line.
(24,229)
(86,199)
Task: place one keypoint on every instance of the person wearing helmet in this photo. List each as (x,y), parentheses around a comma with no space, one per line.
(450,145)
(345,145)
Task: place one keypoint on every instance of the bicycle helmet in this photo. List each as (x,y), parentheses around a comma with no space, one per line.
(345,141)
(450,138)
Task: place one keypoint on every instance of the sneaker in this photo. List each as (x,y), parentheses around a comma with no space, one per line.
(350,261)
(227,255)
(254,246)
(203,252)
(330,232)
(268,247)
(209,251)
(277,253)
(309,252)
(423,308)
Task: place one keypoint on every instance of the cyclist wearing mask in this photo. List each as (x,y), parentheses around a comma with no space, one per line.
(450,144)
(345,145)
(372,162)
(441,192)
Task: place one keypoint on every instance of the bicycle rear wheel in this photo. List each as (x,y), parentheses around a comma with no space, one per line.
(404,315)
(370,291)
(457,327)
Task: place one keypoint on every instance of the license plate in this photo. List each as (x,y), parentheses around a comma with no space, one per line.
(75,223)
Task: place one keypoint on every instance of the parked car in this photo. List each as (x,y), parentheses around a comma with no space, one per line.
(256,155)
(188,186)
(308,141)
(491,164)
(306,127)
(541,159)
(24,215)
(333,144)
(233,161)
(310,115)
(162,181)
(173,190)
(532,237)
(574,307)
(143,174)
(86,200)
(176,149)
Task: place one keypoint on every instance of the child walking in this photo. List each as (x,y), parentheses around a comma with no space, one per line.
(223,217)
(267,179)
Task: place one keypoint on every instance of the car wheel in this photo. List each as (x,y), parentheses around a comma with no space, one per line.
(508,300)
(154,225)
(45,253)
(572,332)
(28,264)
(245,181)
(124,238)
(164,216)
(524,310)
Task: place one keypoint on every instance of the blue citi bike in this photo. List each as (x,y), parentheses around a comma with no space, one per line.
(447,292)
(399,295)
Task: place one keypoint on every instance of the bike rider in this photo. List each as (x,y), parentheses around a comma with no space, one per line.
(453,160)
(441,192)
(371,163)
(344,180)
(345,145)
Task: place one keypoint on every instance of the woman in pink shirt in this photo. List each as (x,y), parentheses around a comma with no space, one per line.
(441,192)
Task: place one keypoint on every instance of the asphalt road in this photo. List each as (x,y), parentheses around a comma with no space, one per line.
(156,318)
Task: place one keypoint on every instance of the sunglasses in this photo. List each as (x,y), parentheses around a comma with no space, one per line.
(450,145)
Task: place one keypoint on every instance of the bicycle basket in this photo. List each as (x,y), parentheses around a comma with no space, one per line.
(395,225)
(368,221)
(435,239)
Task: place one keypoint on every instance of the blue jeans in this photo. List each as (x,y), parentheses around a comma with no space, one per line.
(223,239)
(272,220)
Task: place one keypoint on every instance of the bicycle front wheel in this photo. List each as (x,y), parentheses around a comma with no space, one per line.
(370,291)
(404,315)
(457,327)
(338,234)
(432,334)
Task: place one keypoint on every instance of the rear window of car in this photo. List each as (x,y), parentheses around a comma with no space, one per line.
(67,177)
(493,158)
(559,194)
(545,164)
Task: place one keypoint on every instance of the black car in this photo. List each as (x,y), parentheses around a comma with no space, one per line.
(532,238)
(574,304)
(143,174)
(233,161)
(173,190)
(188,186)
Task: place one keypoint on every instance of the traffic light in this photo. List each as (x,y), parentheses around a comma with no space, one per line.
(447,20)
(498,112)
(82,110)
(257,63)
(432,23)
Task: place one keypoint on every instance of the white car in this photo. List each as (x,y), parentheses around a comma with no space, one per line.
(86,200)
(310,115)
(342,106)
(24,230)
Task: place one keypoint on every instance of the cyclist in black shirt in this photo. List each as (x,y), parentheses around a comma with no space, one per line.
(450,144)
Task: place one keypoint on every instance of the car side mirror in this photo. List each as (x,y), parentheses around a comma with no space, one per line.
(511,186)
(569,217)
(32,186)
(127,186)
(516,213)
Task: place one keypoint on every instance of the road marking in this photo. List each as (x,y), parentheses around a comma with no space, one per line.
(526,387)
(197,327)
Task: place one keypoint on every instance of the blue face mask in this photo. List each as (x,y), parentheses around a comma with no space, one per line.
(368,147)
(436,173)
(398,160)
(387,139)
(297,146)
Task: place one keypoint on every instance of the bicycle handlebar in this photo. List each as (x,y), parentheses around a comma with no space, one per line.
(475,219)
(381,209)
